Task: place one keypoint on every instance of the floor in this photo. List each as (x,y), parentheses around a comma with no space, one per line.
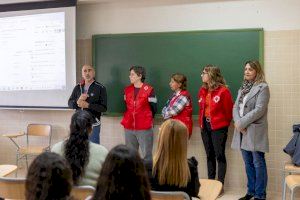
(235,195)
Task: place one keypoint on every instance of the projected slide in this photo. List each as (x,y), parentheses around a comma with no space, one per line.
(32,52)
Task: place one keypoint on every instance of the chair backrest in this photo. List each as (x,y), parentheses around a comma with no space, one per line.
(39,129)
(43,130)
(169,195)
(210,189)
(12,188)
(82,192)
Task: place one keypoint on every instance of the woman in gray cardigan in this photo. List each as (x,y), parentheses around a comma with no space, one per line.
(251,128)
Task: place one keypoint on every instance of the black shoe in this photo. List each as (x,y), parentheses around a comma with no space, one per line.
(221,193)
(246,197)
(258,199)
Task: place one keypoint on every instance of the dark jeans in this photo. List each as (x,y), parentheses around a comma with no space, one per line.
(257,175)
(95,136)
(214,144)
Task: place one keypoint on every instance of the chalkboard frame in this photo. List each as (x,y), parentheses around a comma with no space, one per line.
(95,38)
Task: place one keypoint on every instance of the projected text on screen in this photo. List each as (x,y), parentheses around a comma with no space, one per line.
(32,52)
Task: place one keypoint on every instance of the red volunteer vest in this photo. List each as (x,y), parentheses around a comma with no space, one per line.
(221,105)
(185,115)
(138,115)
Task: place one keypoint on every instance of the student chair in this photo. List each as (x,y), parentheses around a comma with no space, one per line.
(210,189)
(290,169)
(82,192)
(293,182)
(169,195)
(33,131)
(12,188)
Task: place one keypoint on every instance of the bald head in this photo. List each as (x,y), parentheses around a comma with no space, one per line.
(88,73)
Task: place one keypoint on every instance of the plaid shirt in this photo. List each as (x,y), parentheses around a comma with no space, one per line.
(169,111)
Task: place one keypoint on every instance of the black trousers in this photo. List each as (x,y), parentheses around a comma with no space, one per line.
(214,144)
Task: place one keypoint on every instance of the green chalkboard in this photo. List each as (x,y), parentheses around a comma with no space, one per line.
(163,54)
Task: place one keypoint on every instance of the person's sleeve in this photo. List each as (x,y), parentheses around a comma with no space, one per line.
(228,105)
(164,113)
(176,108)
(72,102)
(235,111)
(194,186)
(259,110)
(153,102)
(101,105)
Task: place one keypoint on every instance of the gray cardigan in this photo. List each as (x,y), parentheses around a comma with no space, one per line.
(254,120)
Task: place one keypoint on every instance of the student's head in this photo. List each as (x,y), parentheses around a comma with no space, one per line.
(254,72)
(49,177)
(136,74)
(170,159)
(122,176)
(88,73)
(77,145)
(212,77)
(178,82)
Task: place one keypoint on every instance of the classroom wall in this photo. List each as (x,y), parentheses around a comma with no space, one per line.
(281,21)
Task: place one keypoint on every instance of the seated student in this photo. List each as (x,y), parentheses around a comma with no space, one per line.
(179,106)
(123,176)
(85,158)
(171,170)
(49,177)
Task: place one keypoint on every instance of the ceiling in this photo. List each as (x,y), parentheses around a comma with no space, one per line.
(99,1)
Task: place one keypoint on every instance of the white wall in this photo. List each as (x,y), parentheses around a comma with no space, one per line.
(176,15)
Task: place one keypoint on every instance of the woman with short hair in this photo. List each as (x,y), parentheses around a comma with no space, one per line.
(179,106)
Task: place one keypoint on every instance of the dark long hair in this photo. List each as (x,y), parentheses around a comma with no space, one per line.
(122,176)
(77,146)
(49,177)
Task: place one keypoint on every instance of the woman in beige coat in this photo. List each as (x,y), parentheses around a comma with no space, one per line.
(251,128)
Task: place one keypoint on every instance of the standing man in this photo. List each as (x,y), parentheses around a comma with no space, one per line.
(91,96)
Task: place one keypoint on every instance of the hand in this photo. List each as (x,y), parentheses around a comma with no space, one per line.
(244,131)
(236,126)
(82,104)
(83,97)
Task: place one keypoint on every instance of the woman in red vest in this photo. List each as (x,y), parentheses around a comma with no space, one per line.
(179,106)
(215,114)
(141,105)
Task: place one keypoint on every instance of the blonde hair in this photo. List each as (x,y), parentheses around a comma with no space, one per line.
(260,75)
(180,78)
(170,159)
(215,77)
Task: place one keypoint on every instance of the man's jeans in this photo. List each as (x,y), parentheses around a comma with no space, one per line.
(256,170)
(95,136)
